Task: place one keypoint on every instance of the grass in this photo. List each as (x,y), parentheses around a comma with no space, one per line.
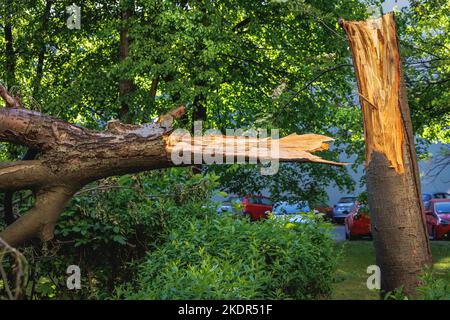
(358,255)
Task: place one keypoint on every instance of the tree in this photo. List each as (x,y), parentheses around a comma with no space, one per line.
(393,184)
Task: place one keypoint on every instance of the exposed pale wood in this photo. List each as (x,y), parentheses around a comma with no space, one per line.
(295,148)
(377,63)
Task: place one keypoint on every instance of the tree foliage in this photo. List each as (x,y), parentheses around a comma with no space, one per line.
(424,31)
(254,64)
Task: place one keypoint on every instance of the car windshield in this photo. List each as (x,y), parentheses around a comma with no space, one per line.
(266,201)
(443,208)
(345,205)
(232,200)
(291,208)
(347,200)
(442,196)
(260,200)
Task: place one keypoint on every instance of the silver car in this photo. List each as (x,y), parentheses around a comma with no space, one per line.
(343,208)
(291,211)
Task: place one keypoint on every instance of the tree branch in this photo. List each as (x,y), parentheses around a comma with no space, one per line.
(11,102)
(21,175)
(39,221)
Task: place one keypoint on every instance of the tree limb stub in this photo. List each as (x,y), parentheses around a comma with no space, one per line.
(11,102)
(72,156)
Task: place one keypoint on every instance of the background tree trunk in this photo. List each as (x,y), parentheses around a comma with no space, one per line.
(126,86)
(10,81)
(42,48)
(393,185)
(9,46)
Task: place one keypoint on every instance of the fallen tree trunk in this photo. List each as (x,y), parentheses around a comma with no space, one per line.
(71,156)
(393,184)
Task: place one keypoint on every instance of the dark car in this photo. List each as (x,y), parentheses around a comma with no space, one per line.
(325,209)
(426,196)
(438,219)
(343,208)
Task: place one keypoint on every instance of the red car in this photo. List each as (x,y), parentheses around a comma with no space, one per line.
(438,218)
(256,206)
(357,224)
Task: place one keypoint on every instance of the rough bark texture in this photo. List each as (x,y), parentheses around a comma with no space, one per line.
(71,156)
(42,48)
(8,207)
(10,61)
(126,86)
(398,222)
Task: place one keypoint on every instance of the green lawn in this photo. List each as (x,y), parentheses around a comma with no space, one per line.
(358,255)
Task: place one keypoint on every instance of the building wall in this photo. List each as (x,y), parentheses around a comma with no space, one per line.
(429,183)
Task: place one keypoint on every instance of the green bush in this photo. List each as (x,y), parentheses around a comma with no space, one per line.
(160,229)
(431,288)
(225,257)
(107,229)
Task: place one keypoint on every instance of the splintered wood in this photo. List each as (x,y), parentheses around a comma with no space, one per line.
(295,148)
(376,59)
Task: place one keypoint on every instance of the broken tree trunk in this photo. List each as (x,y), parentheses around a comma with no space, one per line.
(71,156)
(393,185)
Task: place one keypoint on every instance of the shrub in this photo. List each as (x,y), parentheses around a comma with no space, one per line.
(107,229)
(431,288)
(225,257)
(434,288)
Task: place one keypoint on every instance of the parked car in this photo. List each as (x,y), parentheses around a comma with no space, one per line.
(256,207)
(230,204)
(291,211)
(357,223)
(326,210)
(437,214)
(426,197)
(343,208)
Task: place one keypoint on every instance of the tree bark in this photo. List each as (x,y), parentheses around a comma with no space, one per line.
(126,86)
(8,206)
(393,185)
(41,52)
(9,46)
(72,156)
(11,81)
